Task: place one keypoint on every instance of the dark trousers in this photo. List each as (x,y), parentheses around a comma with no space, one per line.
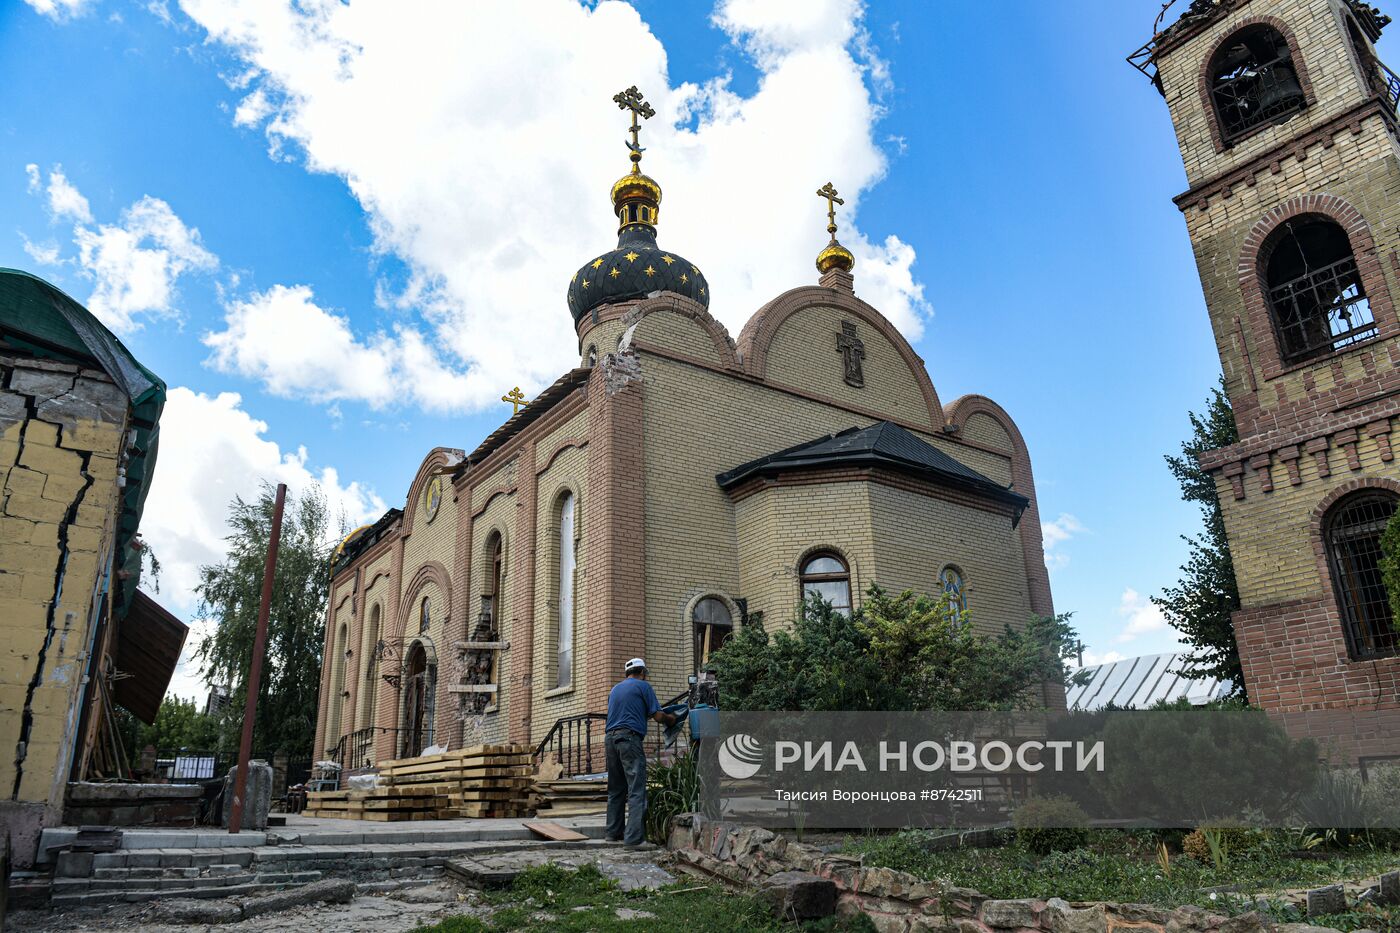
(627,785)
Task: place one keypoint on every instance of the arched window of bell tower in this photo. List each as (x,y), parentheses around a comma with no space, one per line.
(1314,289)
(1254,82)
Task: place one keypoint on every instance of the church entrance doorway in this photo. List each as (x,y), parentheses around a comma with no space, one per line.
(418,702)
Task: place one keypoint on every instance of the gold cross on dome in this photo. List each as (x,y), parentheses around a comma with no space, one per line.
(828,191)
(516,398)
(631,99)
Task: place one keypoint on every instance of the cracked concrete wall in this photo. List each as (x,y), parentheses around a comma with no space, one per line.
(61,431)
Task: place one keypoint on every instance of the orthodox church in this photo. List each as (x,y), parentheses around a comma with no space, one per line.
(677,483)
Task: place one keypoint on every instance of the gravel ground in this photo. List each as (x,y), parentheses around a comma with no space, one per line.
(380,913)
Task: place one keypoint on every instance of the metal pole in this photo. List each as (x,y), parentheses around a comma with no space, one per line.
(240,781)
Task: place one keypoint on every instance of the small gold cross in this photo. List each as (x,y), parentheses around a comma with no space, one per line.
(516,398)
(828,191)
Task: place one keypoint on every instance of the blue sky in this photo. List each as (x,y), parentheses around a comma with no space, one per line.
(361,221)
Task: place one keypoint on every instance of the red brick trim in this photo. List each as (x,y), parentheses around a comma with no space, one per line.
(428,572)
(1204,78)
(379,575)
(488,497)
(517,678)
(1022,481)
(614,622)
(565,409)
(1200,195)
(1255,252)
(438,459)
(547,461)
(758,334)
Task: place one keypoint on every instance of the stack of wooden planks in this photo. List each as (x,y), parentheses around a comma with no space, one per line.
(382,804)
(556,798)
(477,782)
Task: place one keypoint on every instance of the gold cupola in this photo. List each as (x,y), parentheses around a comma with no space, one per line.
(833,255)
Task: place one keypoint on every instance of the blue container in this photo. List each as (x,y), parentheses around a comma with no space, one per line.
(704,722)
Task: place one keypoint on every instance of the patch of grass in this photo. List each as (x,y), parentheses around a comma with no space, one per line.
(551,898)
(1123,867)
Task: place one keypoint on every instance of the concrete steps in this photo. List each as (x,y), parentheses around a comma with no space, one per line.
(144,873)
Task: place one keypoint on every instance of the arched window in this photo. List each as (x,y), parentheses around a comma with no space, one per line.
(713,623)
(592,356)
(1253,81)
(1352,531)
(951,580)
(425,615)
(825,574)
(1315,293)
(1374,80)
(568,565)
(338,665)
(371,661)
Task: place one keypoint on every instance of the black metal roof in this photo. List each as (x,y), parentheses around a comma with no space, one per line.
(883,444)
(538,407)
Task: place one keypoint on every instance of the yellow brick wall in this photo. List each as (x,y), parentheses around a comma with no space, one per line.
(777,527)
(984,429)
(676,332)
(803,355)
(568,472)
(382,595)
(1360,169)
(1329,65)
(698,423)
(42,487)
(916,536)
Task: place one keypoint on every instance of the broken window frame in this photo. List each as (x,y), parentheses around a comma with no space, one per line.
(1352,531)
(1235,90)
(1323,310)
(710,630)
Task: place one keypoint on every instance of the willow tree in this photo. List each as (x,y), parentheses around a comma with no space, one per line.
(229,596)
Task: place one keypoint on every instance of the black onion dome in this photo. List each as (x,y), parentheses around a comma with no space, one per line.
(636,269)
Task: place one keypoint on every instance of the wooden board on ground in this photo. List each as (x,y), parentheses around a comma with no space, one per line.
(554,831)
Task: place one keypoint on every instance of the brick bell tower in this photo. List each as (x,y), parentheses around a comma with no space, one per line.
(1286,119)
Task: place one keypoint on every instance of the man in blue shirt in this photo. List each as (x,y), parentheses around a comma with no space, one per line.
(630,704)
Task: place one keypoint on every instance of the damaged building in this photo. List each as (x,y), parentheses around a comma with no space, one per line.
(675,484)
(79,423)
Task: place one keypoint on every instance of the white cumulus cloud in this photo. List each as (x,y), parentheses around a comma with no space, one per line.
(299,349)
(211,450)
(481,140)
(134,264)
(1055,533)
(60,10)
(1141,616)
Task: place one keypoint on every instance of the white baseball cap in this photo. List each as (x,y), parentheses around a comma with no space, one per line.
(634,664)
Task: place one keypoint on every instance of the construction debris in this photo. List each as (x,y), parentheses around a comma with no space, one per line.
(569,798)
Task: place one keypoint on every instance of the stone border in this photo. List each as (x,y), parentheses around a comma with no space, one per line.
(898,902)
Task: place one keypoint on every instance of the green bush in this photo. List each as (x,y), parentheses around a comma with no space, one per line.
(671,790)
(1051,824)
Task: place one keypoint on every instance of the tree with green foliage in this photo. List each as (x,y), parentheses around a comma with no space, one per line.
(905,652)
(1200,604)
(230,594)
(1390,566)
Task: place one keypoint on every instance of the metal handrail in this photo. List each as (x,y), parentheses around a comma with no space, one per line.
(571,739)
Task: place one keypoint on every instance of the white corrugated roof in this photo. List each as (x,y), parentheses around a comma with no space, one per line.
(1140,682)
